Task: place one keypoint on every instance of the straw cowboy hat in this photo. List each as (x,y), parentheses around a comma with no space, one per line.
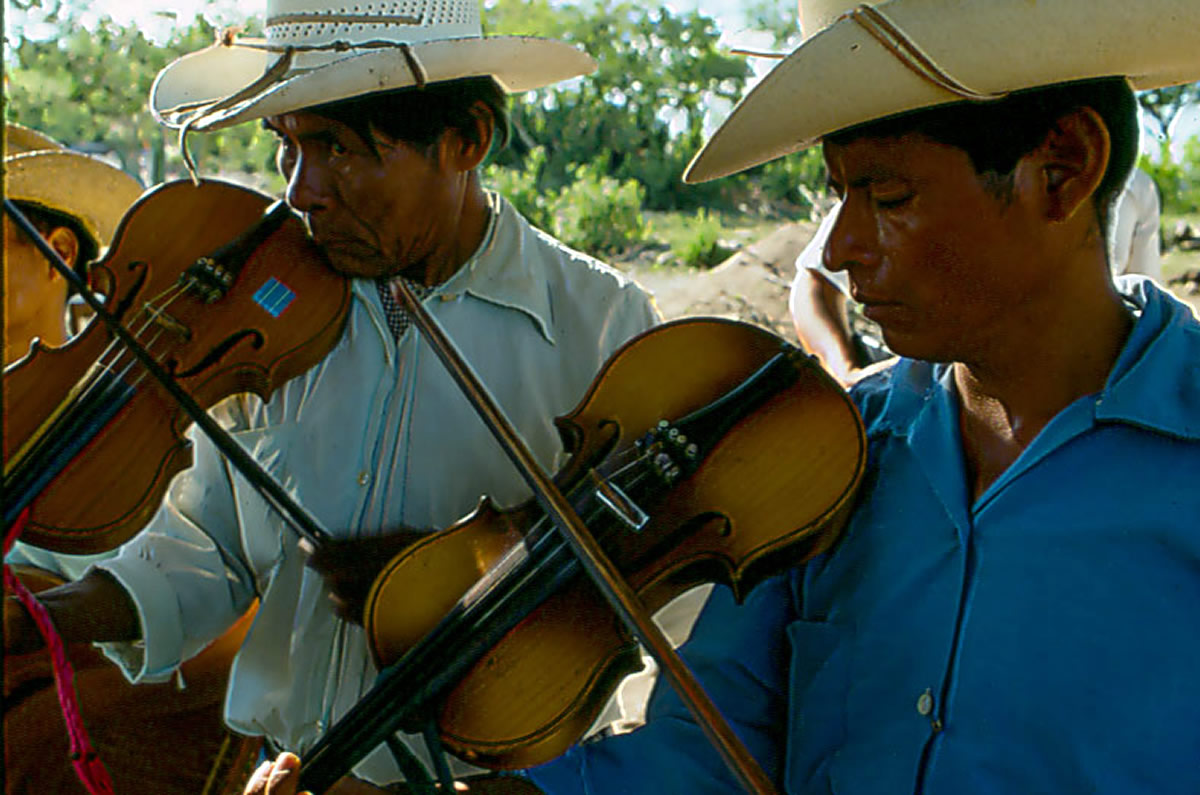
(40,171)
(865,61)
(319,51)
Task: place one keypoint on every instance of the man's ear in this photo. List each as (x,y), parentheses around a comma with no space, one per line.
(63,241)
(1072,161)
(460,152)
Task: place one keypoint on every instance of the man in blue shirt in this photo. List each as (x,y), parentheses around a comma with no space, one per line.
(1013,605)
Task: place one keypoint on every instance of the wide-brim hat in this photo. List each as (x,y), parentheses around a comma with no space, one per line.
(40,171)
(860,62)
(320,51)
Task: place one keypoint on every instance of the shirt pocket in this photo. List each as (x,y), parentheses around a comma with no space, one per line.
(818,683)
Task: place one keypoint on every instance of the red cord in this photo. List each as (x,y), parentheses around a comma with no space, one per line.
(88,767)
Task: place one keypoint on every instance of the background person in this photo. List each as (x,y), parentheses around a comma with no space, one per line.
(75,201)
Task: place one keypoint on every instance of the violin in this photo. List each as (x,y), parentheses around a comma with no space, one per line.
(225,290)
(705,451)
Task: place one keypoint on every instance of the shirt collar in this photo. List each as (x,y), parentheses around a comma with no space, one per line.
(506,268)
(1154,384)
(504,271)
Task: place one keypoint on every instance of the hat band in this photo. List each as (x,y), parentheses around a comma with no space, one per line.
(895,41)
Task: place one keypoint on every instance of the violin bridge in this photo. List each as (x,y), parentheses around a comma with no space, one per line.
(612,497)
(159,317)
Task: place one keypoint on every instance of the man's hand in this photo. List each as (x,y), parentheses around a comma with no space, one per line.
(350,566)
(280,777)
(275,778)
(93,609)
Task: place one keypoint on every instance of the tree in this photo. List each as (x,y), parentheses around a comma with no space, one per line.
(89,88)
(782,20)
(641,114)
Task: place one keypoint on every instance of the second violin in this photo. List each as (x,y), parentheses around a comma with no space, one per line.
(228,294)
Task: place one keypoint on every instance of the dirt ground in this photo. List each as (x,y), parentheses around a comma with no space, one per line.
(753,284)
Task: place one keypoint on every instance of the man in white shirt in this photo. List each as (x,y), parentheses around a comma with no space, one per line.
(382,123)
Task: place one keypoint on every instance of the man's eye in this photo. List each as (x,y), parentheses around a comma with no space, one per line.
(892,201)
(337,148)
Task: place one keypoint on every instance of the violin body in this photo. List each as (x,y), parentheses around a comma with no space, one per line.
(88,412)
(772,489)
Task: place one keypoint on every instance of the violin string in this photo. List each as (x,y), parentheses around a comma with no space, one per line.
(164,300)
(101,381)
(104,380)
(551,558)
(116,350)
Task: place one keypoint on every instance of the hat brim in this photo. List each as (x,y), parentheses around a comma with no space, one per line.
(18,139)
(842,76)
(518,63)
(77,185)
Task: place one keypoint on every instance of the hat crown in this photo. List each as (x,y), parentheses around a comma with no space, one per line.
(816,15)
(325,23)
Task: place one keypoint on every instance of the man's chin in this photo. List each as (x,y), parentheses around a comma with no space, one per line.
(913,345)
(354,266)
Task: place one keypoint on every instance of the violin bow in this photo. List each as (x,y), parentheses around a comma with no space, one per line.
(620,596)
(303,522)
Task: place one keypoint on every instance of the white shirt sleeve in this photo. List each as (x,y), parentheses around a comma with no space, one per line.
(812,259)
(185,571)
(1134,236)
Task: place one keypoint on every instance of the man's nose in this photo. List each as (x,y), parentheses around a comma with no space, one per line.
(306,189)
(853,238)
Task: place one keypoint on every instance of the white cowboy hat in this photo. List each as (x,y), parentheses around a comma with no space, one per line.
(319,51)
(40,171)
(865,61)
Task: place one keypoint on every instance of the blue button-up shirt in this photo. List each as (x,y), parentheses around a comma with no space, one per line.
(1042,638)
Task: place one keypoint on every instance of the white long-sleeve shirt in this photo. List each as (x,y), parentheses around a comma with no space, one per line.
(376,437)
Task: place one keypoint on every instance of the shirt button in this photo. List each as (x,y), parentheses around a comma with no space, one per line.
(925,702)
(364,478)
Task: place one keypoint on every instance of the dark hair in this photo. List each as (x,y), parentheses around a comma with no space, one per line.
(419,116)
(46,221)
(995,135)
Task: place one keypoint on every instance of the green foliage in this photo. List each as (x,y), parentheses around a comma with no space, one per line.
(1178,182)
(641,113)
(700,247)
(641,117)
(520,187)
(796,180)
(594,212)
(88,89)
(598,213)
(781,20)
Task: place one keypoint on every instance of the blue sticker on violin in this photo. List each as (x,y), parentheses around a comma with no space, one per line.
(274,296)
